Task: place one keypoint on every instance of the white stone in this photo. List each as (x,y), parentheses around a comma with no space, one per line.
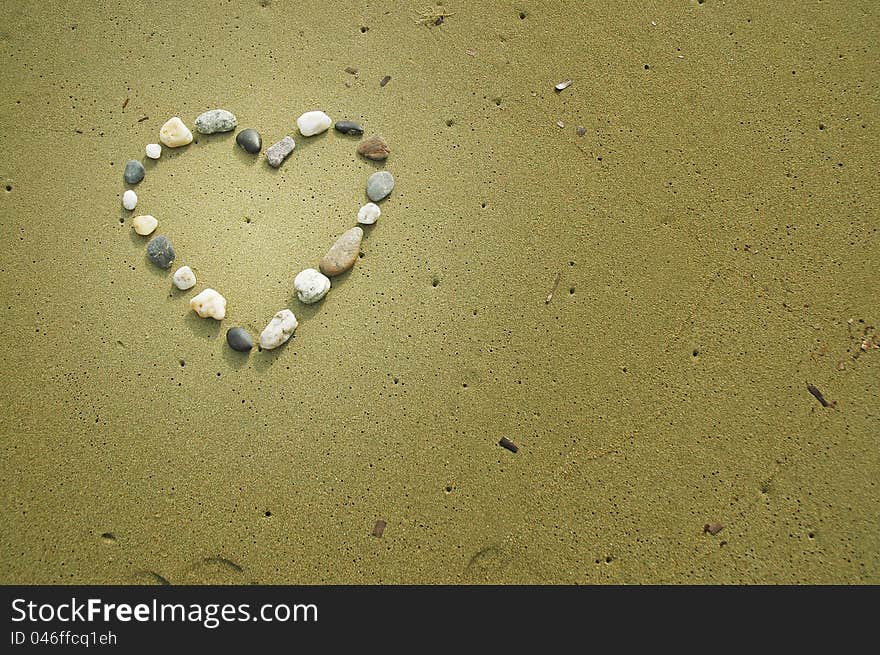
(209,303)
(369,214)
(311,285)
(175,133)
(145,224)
(154,150)
(313,122)
(279,330)
(184,279)
(129,200)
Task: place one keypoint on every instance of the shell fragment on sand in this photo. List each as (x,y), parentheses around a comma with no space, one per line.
(564,84)
(279,330)
(209,304)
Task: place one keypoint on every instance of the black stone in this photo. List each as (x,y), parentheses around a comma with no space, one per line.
(160,251)
(134,171)
(349,127)
(238,339)
(249,140)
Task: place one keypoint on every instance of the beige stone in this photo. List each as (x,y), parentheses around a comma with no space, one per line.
(144,225)
(175,133)
(342,254)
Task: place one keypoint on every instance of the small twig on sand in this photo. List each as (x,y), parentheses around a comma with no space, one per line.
(553,289)
(433,16)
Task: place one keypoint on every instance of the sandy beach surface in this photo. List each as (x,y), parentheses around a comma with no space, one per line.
(713,232)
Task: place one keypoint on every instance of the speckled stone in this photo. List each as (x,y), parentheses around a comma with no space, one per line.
(278,152)
(134,171)
(216,120)
(349,127)
(379,185)
(249,140)
(342,254)
(160,251)
(238,339)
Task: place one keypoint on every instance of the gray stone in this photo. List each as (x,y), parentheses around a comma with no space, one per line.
(160,251)
(216,120)
(278,152)
(349,127)
(379,185)
(342,254)
(249,140)
(238,339)
(134,171)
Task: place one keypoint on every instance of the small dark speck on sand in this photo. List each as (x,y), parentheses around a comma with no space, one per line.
(379,528)
(713,528)
(385,80)
(507,443)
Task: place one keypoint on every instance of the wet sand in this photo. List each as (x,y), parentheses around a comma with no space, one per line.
(714,232)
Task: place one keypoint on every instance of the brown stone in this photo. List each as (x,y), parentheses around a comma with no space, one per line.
(342,254)
(374,148)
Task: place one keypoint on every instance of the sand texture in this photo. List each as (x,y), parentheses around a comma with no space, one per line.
(714,235)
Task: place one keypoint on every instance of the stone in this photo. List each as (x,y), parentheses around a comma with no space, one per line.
(374,148)
(129,200)
(249,140)
(349,127)
(379,185)
(239,339)
(160,251)
(145,224)
(369,214)
(313,122)
(311,286)
(216,120)
(342,254)
(278,152)
(209,304)
(279,330)
(134,171)
(153,150)
(184,278)
(174,133)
